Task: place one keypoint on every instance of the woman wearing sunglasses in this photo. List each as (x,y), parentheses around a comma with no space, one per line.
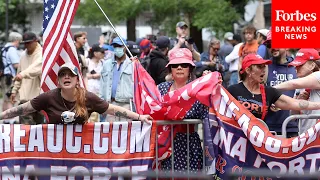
(70,103)
(181,67)
(258,98)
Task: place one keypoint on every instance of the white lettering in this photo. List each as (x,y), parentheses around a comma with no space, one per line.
(78,170)
(243,122)
(101,171)
(298,143)
(100,148)
(140,137)
(313,163)
(73,143)
(119,137)
(239,149)
(273,145)
(230,110)
(18,133)
(282,167)
(8,175)
(256,136)
(297,165)
(296,16)
(29,169)
(55,138)
(223,102)
(226,140)
(36,138)
(295,36)
(55,170)
(121,170)
(5,138)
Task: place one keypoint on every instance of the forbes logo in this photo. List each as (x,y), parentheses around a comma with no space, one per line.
(296,16)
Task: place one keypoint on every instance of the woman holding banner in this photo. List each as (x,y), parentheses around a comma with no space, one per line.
(70,103)
(258,98)
(181,67)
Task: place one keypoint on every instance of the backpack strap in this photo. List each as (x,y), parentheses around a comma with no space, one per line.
(264,101)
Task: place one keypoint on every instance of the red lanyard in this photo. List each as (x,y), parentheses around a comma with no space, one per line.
(264,101)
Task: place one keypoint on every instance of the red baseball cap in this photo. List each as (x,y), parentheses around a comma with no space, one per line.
(269,37)
(304,55)
(145,43)
(252,59)
(180,56)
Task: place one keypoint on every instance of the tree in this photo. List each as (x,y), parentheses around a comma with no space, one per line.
(116,10)
(218,15)
(17,14)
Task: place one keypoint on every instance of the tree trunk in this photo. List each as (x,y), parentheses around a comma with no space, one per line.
(131,29)
(196,34)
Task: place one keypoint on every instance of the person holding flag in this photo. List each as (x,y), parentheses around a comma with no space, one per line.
(181,67)
(70,103)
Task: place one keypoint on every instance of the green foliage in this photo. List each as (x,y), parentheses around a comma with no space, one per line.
(17,14)
(116,10)
(218,15)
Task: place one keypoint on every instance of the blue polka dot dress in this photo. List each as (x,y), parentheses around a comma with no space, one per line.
(197,111)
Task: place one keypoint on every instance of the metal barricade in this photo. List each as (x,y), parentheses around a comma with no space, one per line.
(184,122)
(294,117)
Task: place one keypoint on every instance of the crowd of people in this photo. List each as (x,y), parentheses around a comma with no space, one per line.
(271,83)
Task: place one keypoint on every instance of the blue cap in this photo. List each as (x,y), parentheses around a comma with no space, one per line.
(108,47)
(118,41)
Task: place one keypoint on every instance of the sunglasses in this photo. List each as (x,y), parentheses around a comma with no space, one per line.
(183,65)
(216,49)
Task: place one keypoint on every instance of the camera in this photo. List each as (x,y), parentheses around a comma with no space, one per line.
(190,40)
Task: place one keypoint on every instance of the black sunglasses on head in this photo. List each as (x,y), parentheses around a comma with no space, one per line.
(183,65)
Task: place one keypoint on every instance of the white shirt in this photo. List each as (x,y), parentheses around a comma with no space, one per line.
(94,84)
(233,58)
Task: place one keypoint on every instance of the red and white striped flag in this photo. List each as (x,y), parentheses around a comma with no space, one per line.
(58,45)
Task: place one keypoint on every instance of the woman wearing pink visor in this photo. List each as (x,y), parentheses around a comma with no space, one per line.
(181,67)
(258,98)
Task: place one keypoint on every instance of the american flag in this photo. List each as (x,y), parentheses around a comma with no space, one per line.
(58,45)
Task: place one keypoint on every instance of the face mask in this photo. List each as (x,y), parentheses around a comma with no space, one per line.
(118,52)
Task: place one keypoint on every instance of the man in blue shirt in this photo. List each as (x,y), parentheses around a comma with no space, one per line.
(116,83)
(11,60)
(280,71)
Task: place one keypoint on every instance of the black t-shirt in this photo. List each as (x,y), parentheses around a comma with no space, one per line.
(254,102)
(54,105)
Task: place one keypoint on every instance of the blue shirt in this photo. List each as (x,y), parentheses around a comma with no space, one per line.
(115,79)
(278,73)
(262,51)
(11,57)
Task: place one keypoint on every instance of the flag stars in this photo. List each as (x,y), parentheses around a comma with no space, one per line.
(46,1)
(46,9)
(47,17)
(52,6)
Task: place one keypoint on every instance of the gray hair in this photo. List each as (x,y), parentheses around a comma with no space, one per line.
(214,40)
(14,36)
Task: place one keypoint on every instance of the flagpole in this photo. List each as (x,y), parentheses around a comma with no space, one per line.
(113,28)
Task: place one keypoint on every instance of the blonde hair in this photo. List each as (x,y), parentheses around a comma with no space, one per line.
(80,106)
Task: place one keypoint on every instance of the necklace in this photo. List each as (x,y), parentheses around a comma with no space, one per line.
(249,90)
(66,105)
